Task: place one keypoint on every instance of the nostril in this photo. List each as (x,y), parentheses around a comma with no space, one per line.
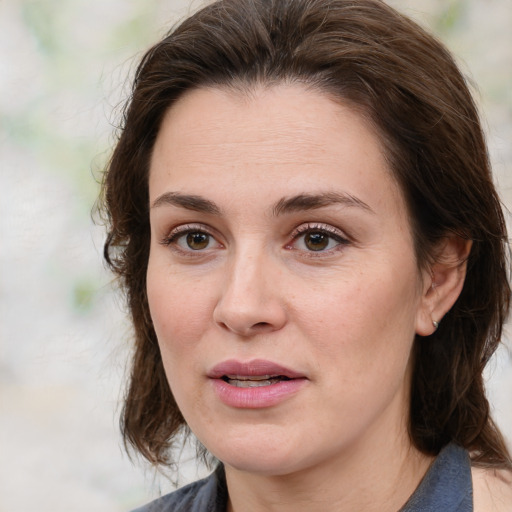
(257,328)
(260,325)
(224,326)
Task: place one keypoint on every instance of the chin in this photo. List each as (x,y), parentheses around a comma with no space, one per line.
(251,452)
(263,464)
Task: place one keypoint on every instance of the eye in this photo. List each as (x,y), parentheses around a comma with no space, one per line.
(190,238)
(317,241)
(317,238)
(196,240)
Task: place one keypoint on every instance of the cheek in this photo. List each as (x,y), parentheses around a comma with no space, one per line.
(367,321)
(179,307)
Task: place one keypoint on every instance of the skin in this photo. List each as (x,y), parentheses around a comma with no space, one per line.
(345,316)
(492,490)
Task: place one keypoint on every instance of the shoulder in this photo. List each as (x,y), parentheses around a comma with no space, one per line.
(178,500)
(492,490)
(207,495)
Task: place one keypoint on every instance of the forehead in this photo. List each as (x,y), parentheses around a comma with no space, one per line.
(287,134)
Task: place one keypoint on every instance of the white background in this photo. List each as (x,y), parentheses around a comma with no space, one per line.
(63,334)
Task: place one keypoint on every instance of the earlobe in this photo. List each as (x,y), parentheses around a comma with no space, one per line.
(443,283)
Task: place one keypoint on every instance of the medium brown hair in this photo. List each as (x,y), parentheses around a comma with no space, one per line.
(364,53)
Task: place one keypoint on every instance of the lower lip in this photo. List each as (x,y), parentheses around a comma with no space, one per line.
(257,397)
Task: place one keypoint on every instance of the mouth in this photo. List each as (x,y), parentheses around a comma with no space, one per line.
(256,381)
(255,384)
(254,373)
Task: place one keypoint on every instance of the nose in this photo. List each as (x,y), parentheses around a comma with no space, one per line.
(251,302)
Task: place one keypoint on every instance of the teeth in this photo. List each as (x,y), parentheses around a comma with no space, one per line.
(252,383)
(254,377)
(255,381)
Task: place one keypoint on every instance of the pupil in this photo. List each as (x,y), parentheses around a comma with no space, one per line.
(316,241)
(197,241)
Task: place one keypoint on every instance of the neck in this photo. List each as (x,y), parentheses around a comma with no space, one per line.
(378,478)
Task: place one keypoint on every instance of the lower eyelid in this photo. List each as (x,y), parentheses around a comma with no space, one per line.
(339,241)
(340,244)
(177,243)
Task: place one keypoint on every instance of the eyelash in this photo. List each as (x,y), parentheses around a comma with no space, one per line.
(182,231)
(331,232)
(323,229)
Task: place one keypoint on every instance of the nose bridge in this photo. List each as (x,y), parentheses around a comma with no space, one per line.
(250,302)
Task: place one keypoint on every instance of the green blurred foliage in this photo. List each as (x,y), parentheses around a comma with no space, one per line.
(41,18)
(73,71)
(84,293)
(78,61)
(450,16)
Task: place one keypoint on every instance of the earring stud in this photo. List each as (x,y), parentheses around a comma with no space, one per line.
(435,324)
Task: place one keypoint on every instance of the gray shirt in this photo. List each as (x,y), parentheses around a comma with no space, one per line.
(446,487)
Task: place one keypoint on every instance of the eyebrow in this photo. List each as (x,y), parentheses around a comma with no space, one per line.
(300,202)
(303,202)
(187,201)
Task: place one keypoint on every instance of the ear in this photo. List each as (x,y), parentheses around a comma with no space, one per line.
(442,283)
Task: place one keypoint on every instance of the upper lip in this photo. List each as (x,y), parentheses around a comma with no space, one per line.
(253,368)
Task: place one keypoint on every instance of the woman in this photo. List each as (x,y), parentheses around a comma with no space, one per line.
(303,217)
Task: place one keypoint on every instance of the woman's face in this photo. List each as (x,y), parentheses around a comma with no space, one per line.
(282,280)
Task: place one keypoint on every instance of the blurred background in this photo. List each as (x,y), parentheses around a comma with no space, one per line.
(64,338)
